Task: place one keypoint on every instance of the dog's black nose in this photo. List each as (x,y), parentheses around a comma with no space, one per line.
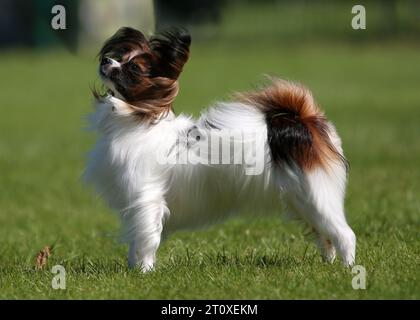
(106,61)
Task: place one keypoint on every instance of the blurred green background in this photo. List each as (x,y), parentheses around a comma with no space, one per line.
(367,81)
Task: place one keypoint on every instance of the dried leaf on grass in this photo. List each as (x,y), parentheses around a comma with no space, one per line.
(42,257)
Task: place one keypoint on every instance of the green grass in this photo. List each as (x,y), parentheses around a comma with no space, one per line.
(370,92)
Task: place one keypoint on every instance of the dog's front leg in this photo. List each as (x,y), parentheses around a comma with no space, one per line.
(144,229)
(142,256)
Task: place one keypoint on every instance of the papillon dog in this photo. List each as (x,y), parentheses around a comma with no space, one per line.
(164,172)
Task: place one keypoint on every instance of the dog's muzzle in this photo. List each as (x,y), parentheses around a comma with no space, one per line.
(107,64)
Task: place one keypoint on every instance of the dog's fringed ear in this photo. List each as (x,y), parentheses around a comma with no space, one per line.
(123,40)
(170,51)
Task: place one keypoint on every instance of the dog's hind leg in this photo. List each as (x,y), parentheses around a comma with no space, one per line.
(318,198)
(325,209)
(325,245)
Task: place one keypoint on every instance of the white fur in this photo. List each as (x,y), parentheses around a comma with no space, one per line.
(155,199)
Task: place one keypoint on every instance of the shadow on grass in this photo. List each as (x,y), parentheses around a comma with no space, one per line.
(191,260)
(235,260)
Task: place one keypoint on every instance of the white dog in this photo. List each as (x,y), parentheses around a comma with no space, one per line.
(163,172)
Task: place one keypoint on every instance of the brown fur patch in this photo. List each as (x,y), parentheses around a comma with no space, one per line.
(297,129)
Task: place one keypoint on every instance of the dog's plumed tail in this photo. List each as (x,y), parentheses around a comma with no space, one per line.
(297,130)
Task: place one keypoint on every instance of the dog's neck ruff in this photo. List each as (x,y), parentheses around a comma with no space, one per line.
(118,103)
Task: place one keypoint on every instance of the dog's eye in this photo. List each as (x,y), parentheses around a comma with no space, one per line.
(135,68)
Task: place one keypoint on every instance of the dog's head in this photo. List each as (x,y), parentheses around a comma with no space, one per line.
(143,72)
